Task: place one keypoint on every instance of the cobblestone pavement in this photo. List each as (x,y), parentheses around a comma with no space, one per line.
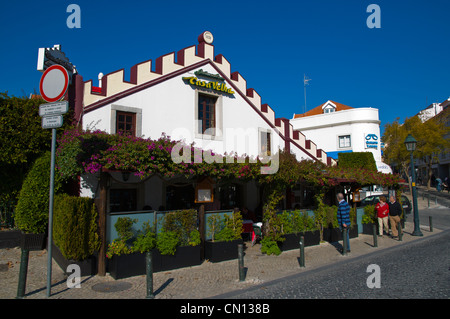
(203,281)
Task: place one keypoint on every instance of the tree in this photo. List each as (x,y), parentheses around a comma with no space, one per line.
(22,141)
(430,142)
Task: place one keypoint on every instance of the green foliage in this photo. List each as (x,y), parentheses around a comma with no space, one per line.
(118,247)
(272,221)
(31,215)
(121,245)
(370,215)
(296,221)
(146,239)
(183,223)
(354,160)
(22,141)
(194,238)
(226,228)
(75,226)
(123,227)
(270,247)
(167,242)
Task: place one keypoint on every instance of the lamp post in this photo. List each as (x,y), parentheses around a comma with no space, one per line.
(410,143)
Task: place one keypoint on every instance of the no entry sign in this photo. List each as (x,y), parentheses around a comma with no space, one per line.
(54,83)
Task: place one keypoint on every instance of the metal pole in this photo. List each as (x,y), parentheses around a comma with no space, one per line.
(400,231)
(416,231)
(375,239)
(428,197)
(23,273)
(302,251)
(431,223)
(50,214)
(149,266)
(241,262)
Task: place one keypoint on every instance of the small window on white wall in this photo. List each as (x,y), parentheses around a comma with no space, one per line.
(345,141)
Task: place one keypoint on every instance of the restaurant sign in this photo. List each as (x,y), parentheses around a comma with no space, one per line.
(216,86)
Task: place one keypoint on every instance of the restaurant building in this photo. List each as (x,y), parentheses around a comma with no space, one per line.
(192,95)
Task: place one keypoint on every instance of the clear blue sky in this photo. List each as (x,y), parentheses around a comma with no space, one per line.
(397,69)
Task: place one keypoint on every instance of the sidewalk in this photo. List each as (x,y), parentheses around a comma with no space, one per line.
(203,281)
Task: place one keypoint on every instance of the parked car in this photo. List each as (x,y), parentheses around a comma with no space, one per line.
(375,199)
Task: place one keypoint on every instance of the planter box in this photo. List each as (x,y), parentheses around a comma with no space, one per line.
(33,241)
(186,256)
(9,238)
(368,229)
(292,241)
(88,267)
(222,250)
(125,266)
(332,235)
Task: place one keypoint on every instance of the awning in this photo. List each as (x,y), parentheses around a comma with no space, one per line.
(383,168)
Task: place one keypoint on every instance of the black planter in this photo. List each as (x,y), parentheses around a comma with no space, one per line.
(292,241)
(10,238)
(125,266)
(333,235)
(368,229)
(33,241)
(88,267)
(222,250)
(186,256)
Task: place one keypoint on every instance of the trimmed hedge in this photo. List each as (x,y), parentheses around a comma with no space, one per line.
(75,229)
(357,160)
(31,215)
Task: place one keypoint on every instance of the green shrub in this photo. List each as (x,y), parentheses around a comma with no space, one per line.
(270,247)
(121,245)
(31,214)
(183,223)
(146,240)
(369,216)
(167,242)
(357,160)
(75,226)
(296,221)
(194,238)
(227,228)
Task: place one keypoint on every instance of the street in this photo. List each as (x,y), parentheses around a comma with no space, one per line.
(418,269)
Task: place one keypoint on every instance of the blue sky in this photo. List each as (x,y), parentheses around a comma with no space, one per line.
(397,68)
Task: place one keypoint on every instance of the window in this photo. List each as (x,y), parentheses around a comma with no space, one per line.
(122,200)
(126,123)
(265,143)
(329,110)
(206,113)
(345,141)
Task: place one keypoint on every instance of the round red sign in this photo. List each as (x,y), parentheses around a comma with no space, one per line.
(54,83)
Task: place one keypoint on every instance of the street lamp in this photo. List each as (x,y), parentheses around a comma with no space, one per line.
(410,143)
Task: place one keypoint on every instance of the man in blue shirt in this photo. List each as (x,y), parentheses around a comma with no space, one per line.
(343,216)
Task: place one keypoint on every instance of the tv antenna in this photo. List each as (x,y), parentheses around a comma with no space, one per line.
(305,83)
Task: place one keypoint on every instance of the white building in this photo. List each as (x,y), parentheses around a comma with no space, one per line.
(340,128)
(193,95)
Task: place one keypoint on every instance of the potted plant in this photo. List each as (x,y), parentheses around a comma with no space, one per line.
(295,225)
(31,214)
(178,244)
(226,235)
(75,233)
(123,261)
(369,219)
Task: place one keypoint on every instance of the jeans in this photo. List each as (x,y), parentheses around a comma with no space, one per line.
(348,237)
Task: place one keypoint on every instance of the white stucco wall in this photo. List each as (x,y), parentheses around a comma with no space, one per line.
(325,129)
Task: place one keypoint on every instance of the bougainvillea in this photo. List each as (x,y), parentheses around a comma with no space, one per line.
(92,151)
